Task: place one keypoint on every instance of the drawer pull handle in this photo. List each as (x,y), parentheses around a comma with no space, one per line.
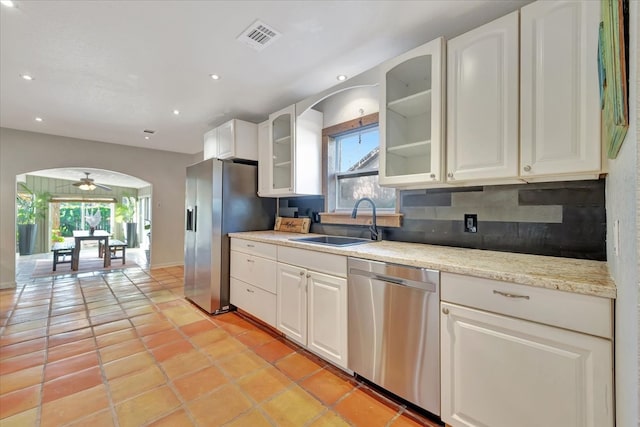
(302,273)
(508,295)
(250,260)
(250,246)
(250,291)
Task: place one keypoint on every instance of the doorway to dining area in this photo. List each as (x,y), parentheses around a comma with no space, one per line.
(54,204)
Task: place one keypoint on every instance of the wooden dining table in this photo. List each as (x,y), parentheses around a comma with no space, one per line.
(101,236)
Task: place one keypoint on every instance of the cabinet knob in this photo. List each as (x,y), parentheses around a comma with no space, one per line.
(445,310)
(249,260)
(450,175)
(308,275)
(432,176)
(527,168)
(250,291)
(302,273)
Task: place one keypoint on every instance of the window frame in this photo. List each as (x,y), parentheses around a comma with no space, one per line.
(330,177)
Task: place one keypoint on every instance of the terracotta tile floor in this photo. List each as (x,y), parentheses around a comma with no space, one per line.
(125,348)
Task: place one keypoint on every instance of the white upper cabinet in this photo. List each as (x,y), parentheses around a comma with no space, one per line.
(235,139)
(211,144)
(294,156)
(482,102)
(560,105)
(411,117)
(263,155)
(226,146)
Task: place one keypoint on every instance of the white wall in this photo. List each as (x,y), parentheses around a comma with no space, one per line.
(623,197)
(347,105)
(22,152)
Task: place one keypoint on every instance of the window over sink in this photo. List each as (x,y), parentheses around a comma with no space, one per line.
(352,170)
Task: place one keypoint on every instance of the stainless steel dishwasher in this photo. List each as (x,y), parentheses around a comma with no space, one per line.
(394,329)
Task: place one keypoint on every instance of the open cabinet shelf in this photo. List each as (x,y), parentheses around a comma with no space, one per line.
(412,105)
(420,148)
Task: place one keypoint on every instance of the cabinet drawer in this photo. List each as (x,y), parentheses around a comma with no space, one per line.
(255,248)
(255,301)
(582,313)
(255,270)
(316,261)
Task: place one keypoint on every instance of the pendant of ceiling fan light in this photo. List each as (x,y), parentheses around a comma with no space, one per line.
(87,187)
(87,184)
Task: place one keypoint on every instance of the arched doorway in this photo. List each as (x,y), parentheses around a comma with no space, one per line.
(74,198)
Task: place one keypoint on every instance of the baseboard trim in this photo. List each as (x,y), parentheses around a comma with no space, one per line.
(165,265)
(8,285)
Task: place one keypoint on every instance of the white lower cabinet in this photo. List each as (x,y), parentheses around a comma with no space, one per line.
(292,302)
(312,310)
(501,371)
(327,316)
(254,300)
(253,279)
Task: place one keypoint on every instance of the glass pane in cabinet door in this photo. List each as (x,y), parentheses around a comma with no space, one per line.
(408,117)
(281,140)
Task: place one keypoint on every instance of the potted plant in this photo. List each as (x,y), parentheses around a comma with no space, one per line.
(147,228)
(56,237)
(32,208)
(125,213)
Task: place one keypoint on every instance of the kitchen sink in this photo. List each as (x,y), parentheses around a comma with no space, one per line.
(333,240)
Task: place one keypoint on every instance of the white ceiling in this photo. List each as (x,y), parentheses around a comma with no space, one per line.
(99,176)
(107,70)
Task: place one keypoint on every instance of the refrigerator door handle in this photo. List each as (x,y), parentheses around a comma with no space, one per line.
(189,219)
(195,218)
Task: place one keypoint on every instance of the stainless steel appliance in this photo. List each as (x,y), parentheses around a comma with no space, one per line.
(221,197)
(394,329)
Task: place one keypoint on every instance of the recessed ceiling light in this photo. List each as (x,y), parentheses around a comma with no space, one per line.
(8,3)
(176,112)
(26,77)
(214,76)
(146,137)
(341,77)
(38,119)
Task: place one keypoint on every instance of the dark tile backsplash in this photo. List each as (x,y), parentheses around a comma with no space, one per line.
(565,219)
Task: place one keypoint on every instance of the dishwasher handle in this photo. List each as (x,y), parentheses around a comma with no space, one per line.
(425,286)
(389,279)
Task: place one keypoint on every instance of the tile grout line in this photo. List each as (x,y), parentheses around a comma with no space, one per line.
(168,381)
(105,382)
(46,358)
(161,290)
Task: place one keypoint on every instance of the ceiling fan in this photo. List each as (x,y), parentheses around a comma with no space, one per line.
(87,184)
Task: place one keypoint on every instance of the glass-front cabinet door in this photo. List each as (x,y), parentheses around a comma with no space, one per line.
(282,146)
(411,117)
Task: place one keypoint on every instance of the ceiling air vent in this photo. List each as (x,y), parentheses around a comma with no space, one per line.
(259,35)
(149,131)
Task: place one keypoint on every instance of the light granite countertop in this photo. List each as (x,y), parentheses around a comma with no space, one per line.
(564,274)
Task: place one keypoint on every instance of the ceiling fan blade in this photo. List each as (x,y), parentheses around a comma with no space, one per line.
(77,184)
(104,187)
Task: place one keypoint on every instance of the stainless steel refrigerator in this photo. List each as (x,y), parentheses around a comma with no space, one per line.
(221,197)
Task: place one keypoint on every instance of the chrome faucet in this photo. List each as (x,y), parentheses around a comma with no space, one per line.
(375,233)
